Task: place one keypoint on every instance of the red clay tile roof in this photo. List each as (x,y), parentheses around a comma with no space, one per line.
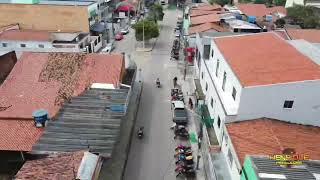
(54,167)
(311,35)
(25,35)
(22,93)
(206,27)
(210,18)
(195,12)
(207,7)
(265,58)
(18,135)
(260,10)
(267,136)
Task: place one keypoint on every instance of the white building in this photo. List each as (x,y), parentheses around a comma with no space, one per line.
(44,41)
(253,76)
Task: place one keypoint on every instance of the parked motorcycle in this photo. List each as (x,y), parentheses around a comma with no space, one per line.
(180,146)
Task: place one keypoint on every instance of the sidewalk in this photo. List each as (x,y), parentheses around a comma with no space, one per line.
(188,89)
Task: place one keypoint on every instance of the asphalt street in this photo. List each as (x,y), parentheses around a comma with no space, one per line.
(151,158)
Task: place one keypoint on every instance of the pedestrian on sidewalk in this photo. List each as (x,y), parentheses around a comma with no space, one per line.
(184,73)
(190,103)
(175,79)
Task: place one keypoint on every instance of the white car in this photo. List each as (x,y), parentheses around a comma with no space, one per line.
(177,33)
(125,30)
(109,47)
(133,21)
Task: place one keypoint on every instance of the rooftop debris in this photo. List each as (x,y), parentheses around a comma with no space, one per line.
(64,68)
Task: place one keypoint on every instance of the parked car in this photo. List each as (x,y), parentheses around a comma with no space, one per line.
(180,115)
(109,47)
(177,33)
(119,36)
(133,21)
(125,30)
(163,2)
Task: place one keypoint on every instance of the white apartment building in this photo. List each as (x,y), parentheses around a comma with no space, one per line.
(44,41)
(254,76)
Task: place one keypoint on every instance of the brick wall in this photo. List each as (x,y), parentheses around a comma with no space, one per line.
(45,17)
(7,62)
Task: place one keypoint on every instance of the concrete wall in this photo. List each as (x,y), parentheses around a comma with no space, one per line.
(7,62)
(226,145)
(45,17)
(268,101)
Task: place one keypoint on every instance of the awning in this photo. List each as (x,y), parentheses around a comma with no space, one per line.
(199,93)
(125,8)
(98,27)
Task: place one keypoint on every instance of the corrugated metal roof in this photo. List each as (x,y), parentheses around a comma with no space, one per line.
(87,121)
(267,166)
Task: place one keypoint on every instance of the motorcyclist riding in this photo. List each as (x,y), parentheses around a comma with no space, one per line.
(158,82)
(140,132)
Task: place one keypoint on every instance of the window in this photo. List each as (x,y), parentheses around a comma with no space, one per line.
(206,86)
(224,81)
(22,45)
(234,93)
(202,75)
(230,157)
(206,51)
(41,46)
(4,44)
(219,121)
(217,67)
(212,52)
(211,103)
(288,104)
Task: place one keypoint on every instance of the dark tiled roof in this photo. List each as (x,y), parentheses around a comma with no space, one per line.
(90,120)
(304,171)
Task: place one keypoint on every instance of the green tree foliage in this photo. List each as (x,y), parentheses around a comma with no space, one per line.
(220,2)
(280,2)
(156,13)
(260,1)
(151,30)
(280,23)
(304,16)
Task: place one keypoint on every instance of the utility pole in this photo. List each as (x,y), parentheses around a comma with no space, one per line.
(143,31)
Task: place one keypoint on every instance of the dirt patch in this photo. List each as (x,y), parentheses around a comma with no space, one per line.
(64,68)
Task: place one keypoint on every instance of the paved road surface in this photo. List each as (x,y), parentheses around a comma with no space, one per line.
(152,157)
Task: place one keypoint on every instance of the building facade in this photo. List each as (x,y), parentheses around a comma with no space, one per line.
(245,77)
(44,41)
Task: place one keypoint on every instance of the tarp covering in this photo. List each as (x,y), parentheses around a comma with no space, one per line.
(124,8)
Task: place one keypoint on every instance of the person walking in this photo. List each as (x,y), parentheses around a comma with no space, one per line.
(190,103)
(175,79)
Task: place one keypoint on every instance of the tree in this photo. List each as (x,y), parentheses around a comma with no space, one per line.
(260,1)
(156,13)
(305,16)
(151,30)
(220,2)
(280,23)
(280,2)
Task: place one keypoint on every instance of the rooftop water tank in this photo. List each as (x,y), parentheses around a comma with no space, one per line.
(269,18)
(251,19)
(40,117)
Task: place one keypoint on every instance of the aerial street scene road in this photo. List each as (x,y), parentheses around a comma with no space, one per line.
(159,89)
